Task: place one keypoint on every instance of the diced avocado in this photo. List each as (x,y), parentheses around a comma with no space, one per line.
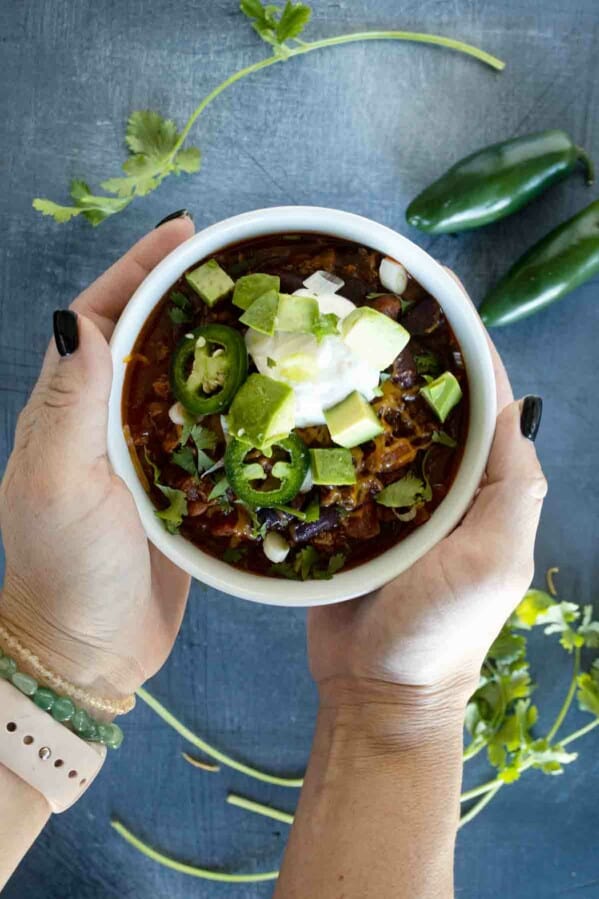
(374,336)
(332,467)
(296,313)
(261,315)
(353,421)
(442,394)
(210,282)
(262,412)
(249,287)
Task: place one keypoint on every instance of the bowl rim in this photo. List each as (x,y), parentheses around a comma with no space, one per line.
(469,332)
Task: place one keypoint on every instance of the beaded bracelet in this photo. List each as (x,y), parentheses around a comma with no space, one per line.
(61,708)
(58,683)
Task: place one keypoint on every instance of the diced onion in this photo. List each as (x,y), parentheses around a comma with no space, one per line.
(225,427)
(407,516)
(323,282)
(176,413)
(275,547)
(393,275)
(308,482)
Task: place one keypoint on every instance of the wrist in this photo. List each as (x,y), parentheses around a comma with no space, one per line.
(375,718)
(73,659)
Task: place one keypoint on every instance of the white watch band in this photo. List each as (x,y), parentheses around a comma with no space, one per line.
(44,753)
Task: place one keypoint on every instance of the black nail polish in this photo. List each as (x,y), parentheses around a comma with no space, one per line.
(66,332)
(175,215)
(530,417)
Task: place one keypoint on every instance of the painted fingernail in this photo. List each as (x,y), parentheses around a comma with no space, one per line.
(179,214)
(66,332)
(530,417)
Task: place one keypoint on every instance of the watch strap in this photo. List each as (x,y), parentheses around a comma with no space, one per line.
(44,753)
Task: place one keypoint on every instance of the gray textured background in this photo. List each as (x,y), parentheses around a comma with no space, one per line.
(362,128)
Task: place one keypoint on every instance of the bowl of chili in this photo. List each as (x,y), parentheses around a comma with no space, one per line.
(358,475)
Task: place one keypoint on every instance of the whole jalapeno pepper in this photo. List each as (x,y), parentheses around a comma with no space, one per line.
(208,367)
(495,182)
(290,474)
(560,262)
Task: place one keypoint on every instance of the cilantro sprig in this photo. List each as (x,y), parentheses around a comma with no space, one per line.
(156,147)
(501,718)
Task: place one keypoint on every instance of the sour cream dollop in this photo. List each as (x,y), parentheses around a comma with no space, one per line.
(321,373)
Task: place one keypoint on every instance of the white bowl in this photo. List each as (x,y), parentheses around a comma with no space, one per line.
(470,335)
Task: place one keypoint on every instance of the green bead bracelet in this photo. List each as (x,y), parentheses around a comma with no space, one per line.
(61,708)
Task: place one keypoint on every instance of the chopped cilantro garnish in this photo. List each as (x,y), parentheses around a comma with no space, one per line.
(173,515)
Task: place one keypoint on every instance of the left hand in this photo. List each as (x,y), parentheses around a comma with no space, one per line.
(84,589)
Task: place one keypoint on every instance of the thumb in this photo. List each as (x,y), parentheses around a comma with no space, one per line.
(67,414)
(505,515)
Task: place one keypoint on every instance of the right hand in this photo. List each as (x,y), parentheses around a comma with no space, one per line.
(425,635)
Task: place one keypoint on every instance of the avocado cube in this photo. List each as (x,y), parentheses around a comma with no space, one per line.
(262,314)
(332,467)
(374,337)
(263,412)
(249,287)
(210,282)
(296,313)
(353,421)
(442,394)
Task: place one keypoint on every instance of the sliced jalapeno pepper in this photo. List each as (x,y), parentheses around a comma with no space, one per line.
(208,368)
(290,473)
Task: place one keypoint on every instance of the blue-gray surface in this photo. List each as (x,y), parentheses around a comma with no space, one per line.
(362,128)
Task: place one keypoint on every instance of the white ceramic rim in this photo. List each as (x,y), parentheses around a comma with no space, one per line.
(469,332)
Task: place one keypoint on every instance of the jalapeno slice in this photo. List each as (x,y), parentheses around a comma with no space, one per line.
(290,474)
(208,367)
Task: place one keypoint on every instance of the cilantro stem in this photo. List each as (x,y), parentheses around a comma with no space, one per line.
(259,809)
(308,47)
(480,805)
(202,873)
(581,732)
(211,751)
(569,697)
(479,791)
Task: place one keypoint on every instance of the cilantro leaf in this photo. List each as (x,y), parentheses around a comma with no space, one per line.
(180,313)
(179,316)
(444,439)
(275,26)
(294,19)
(204,439)
(232,555)
(407,491)
(324,325)
(154,153)
(308,564)
(588,690)
(94,208)
(184,458)
(427,364)
(173,515)
(219,489)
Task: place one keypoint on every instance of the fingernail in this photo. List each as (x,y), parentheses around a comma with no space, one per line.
(179,214)
(530,417)
(66,332)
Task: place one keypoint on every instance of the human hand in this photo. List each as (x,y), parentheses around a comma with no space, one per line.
(428,631)
(84,590)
